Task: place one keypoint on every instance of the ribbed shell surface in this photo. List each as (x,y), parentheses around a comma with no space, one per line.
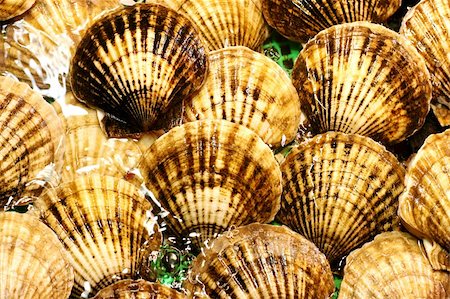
(106,226)
(425,204)
(427,26)
(211,175)
(224,23)
(339,191)
(31,139)
(300,20)
(250,89)
(13,8)
(136,61)
(261,261)
(365,79)
(33,263)
(392,266)
(138,289)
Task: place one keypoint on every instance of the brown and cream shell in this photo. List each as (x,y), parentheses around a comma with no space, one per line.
(260,261)
(138,289)
(105,224)
(425,204)
(339,191)
(31,138)
(392,266)
(211,175)
(427,25)
(363,78)
(12,8)
(136,61)
(33,263)
(250,89)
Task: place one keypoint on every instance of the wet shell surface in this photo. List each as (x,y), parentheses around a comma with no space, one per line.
(261,261)
(27,270)
(425,204)
(339,191)
(105,224)
(31,138)
(300,20)
(136,61)
(365,79)
(427,25)
(13,8)
(250,89)
(138,289)
(224,23)
(211,175)
(392,266)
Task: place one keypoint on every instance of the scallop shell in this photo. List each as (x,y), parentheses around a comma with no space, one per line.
(12,8)
(300,20)
(363,78)
(427,25)
(339,191)
(31,138)
(136,61)
(211,175)
(224,23)
(138,289)
(392,266)
(27,271)
(106,226)
(425,204)
(250,89)
(261,261)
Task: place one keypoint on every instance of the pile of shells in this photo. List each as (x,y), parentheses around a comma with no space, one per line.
(134,126)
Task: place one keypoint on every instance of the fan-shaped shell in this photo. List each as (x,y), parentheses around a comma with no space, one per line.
(427,25)
(339,191)
(224,23)
(135,61)
(138,289)
(392,266)
(363,78)
(27,270)
(31,139)
(261,261)
(250,89)
(300,20)
(13,8)
(211,175)
(425,204)
(106,226)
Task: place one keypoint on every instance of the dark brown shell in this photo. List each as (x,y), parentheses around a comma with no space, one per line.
(136,61)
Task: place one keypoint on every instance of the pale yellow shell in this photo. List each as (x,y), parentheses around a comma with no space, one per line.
(392,266)
(138,289)
(13,8)
(427,26)
(425,204)
(250,89)
(33,263)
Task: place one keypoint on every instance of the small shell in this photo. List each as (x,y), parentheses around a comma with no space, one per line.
(106,226)
(300,20)
(31,139)
(261,261)
(363,78)
(33,263)
(339,191)
(427,25)
(136,61)
(211,175)
(425,204)
(224,23)
(12,8)
(250,89)
(392,266)
(138,289)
